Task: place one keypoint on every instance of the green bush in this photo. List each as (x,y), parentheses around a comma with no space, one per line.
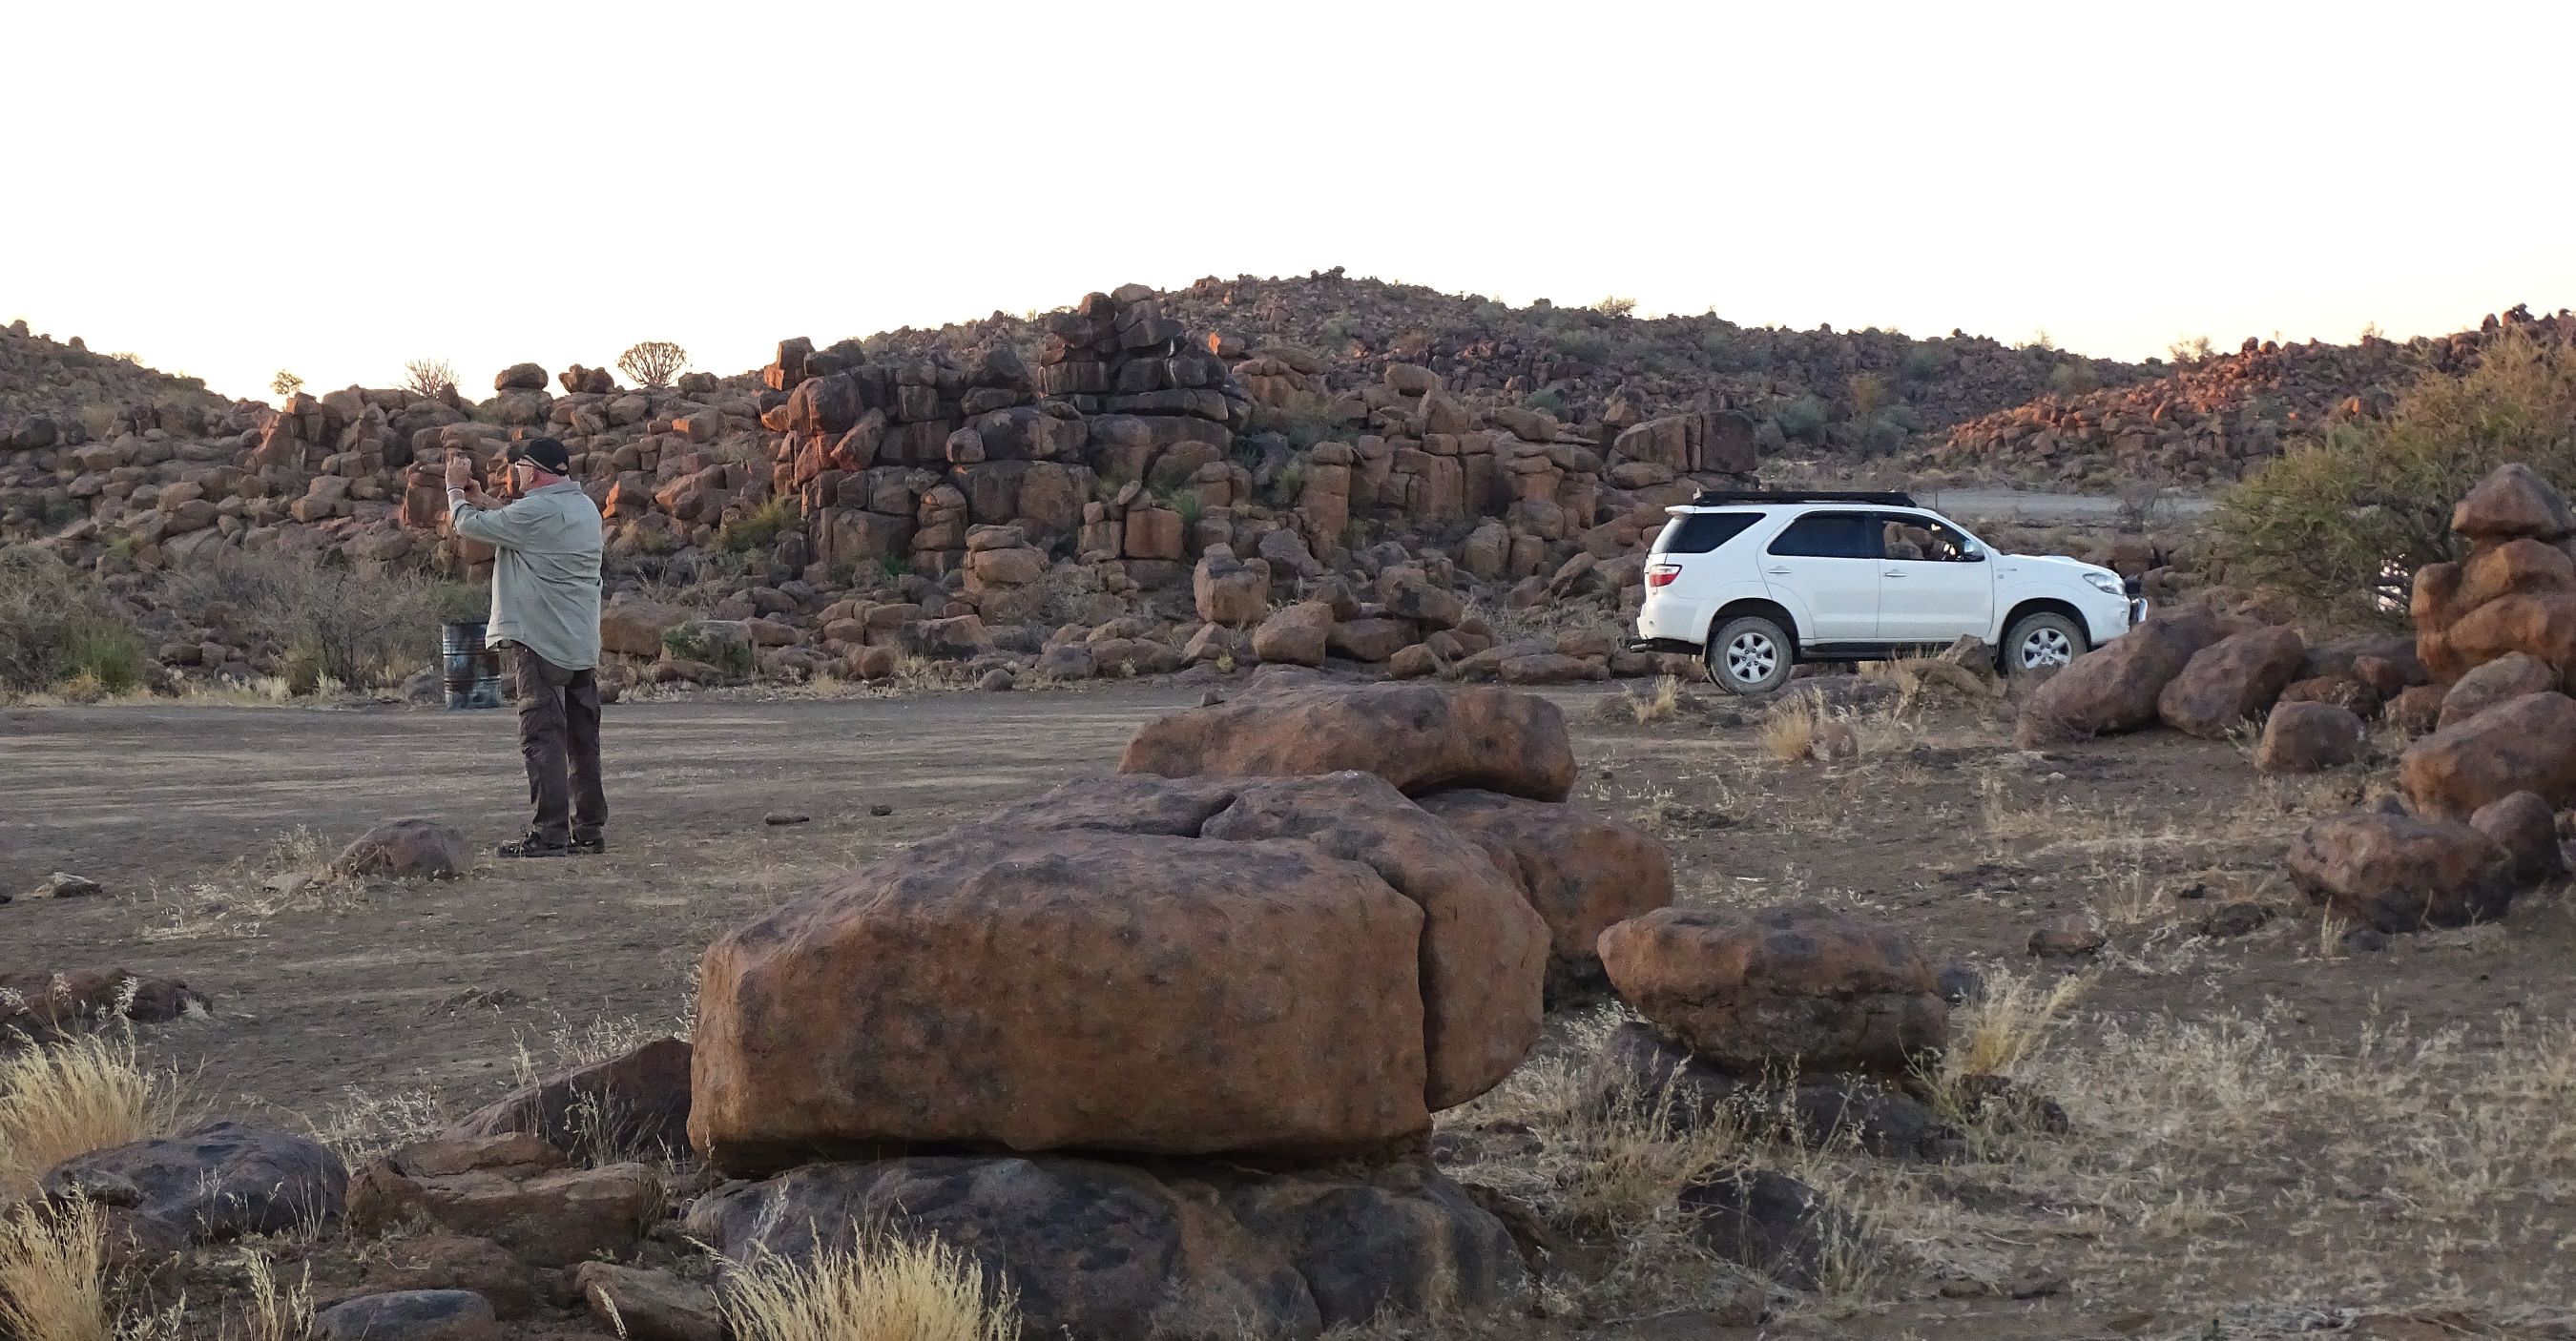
(1799,419)
(2073,379)
(1547,399)
(758,528)
(57,623)
(1922,362)
(694,641)
(1288,485)
(1587,345)
(2340,526)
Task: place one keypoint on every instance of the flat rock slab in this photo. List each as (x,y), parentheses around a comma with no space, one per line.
(219,1181)
(1103,1251)
(1420,737)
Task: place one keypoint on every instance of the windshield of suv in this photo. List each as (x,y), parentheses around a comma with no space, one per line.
(1701,532)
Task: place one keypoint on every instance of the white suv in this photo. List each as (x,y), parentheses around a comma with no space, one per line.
(1754,582)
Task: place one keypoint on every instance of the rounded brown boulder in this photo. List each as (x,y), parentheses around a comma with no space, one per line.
(406,849)
(2308,737)
(2231,681)
(1581,872)
(2521,744)
(2509,676)
(1420,737)
(2400,873)
(2115,687)
(1073,989)
(1484,951)
(1795,986)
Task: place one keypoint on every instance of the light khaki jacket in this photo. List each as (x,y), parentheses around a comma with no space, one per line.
(545,581)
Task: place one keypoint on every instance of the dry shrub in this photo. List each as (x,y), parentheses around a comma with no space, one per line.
(883,1287)
(276,1312)
(89,1093)
(333,622)
(1794,728)
(2002,1030)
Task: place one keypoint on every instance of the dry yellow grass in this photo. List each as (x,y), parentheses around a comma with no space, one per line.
(276,1312)
(53,1283)
(88,1094)
(1788,730)
(882,1288)
(1661,705)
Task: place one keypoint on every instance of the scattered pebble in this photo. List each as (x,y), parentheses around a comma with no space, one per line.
(880,811)
(784,817)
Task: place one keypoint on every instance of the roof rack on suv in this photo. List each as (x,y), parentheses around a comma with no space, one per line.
(1803,496)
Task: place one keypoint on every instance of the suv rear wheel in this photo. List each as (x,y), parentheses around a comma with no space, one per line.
(2042,641)
(1750,654)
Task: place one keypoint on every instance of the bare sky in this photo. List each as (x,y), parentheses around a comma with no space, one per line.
(228,189)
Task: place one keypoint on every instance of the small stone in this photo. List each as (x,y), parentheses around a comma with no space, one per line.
(410,1315)
(1960,984)
(880,811)
(2234,919)
(65,885)
(995,681)
(784,817)
(2071,934)
(2365,940)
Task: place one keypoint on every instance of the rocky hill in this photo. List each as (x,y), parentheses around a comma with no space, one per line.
(1603,370)
(2215,418)
(66,384)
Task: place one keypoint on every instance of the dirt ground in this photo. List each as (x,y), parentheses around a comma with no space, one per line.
(2274,1132)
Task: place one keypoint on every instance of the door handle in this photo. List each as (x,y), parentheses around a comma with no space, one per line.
(1891,572)
(1780,572)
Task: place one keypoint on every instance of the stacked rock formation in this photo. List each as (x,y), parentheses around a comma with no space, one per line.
(1253,949)
(2497,632)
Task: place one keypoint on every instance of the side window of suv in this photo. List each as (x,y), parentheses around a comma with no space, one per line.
(1830,535)
(1910,535)
(1702,532)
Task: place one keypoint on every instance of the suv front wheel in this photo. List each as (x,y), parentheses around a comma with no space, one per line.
(2041,642)
(1750,655)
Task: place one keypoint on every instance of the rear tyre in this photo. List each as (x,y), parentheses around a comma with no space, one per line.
(2042,642)
(1750,655)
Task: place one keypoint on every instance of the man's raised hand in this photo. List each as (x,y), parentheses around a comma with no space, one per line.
(460,471)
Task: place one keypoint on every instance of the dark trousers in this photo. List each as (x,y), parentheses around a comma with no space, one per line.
(559,737)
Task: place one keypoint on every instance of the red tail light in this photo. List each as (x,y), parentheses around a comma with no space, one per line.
(1662,574)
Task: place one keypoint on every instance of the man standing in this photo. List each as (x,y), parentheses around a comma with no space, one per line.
(545,603)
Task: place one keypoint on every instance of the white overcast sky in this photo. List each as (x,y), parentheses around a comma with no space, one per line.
(227,189)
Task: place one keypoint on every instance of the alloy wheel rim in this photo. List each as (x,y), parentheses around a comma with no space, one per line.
(1751,658)
(2046,647)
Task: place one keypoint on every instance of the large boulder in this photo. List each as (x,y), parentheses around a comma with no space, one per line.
(2512,503)
(1228,591)
(2400,873)
(1022,991)
(2231,682)
(2117,686)
(2509,676)
(2308,737)
(633,625)
(1797,986)
(2527,829)
(1582,872)
(218,1181)
(1295,635)
(1422,738)
(1484,951)
(2522,744)
(1102,1251)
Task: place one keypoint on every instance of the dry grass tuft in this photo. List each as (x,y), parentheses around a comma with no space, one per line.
(1789,730)
(1660,706)
(2005,1027)
(88,1094)
(883,1287)
(276,1313)
(53,1275)
(363,1126)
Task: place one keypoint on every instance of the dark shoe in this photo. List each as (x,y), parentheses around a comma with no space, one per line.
(533,846)
(595,843)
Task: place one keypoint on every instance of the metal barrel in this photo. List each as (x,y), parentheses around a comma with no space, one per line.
(473,671)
